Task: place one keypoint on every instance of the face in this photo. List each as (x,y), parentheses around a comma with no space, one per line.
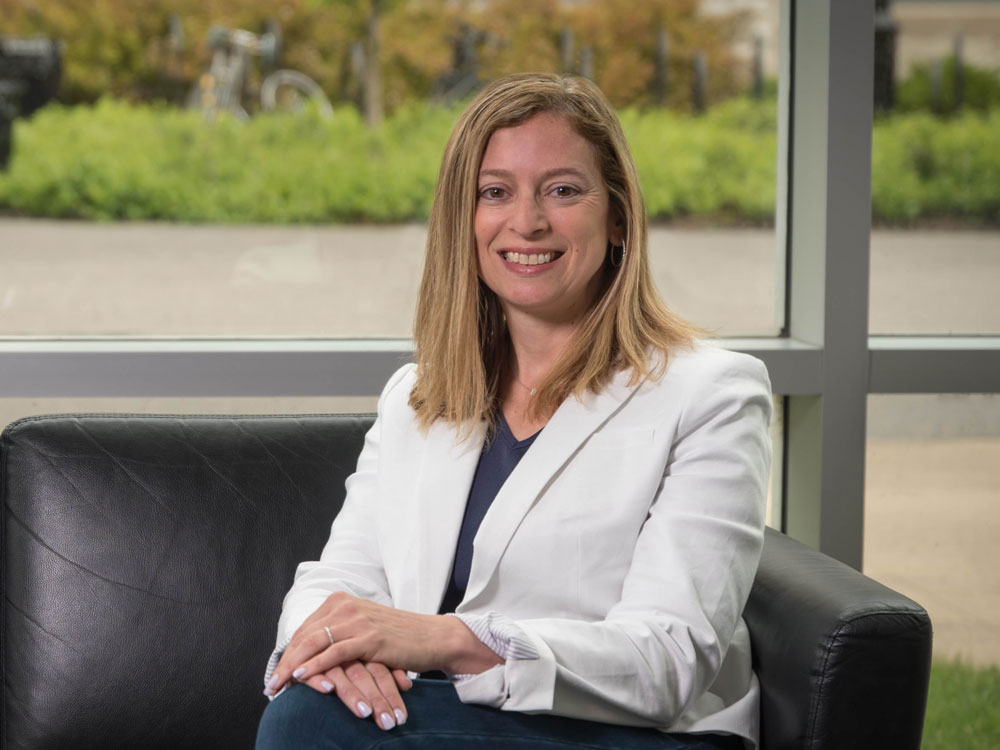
(542,220)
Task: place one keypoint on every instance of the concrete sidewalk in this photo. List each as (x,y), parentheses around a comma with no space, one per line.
(76,278)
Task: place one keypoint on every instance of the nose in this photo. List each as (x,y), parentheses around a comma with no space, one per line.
(528,216)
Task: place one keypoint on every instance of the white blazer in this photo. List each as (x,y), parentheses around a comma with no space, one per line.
(623,545)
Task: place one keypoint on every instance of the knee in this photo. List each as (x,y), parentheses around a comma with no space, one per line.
(290,721)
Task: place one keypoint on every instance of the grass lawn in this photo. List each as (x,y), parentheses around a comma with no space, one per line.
(963,708)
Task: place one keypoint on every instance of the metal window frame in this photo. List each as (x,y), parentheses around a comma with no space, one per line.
(824,363)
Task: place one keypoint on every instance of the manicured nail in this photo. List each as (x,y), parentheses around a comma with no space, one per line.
(364,709)
(400,716)
(299,672)
(387,722)
(271,685)
(327,685)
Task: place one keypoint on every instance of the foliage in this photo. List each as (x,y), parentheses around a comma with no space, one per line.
(121,48)
(924,167)
(962,708)
(624,33)
(981,89)
(117,160)
(721,165)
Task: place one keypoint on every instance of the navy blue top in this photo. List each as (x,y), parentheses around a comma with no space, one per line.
(500,456)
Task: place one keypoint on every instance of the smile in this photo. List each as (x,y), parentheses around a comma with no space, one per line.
(530,259)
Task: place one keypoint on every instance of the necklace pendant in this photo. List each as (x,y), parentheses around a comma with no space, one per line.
(532,391)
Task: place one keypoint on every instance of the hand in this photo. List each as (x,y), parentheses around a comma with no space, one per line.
(368,632)
(367,690)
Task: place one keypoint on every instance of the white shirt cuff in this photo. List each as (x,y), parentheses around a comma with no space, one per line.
(500,634)
(272,662)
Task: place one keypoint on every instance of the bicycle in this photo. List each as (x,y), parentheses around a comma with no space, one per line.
(223,86)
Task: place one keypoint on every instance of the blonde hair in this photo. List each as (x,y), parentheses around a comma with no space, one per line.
(462,344)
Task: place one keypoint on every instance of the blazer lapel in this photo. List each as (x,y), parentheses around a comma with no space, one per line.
(443,482)
(571,425)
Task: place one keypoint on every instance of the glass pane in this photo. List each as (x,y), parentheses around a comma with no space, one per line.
(932,513)
(214,268)
(78,279)
(935,281)
(935,251)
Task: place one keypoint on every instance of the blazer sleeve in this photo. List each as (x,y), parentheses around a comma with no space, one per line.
(659,650)
(350,561)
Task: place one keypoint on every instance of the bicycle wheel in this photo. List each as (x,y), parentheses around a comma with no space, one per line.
(290,90)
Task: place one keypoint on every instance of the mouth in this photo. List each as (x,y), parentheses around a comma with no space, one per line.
(530,259)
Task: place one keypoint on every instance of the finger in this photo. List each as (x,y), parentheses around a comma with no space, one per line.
(340,653)
(300,648)
(386,682)
(384,713)
(403,681)
(306,656)
(321,683)
(356,702)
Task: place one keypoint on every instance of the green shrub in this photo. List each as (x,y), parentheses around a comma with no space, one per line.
(924,167)
(706,166)
(981,89)
(121,161)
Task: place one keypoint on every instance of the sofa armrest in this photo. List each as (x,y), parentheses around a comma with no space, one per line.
(843,661)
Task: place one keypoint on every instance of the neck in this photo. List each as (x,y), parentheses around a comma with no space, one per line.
(537,346)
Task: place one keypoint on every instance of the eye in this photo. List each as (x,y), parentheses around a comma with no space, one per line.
(564,191)
(492,193)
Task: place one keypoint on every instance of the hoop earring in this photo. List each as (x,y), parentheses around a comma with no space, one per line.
(617,255)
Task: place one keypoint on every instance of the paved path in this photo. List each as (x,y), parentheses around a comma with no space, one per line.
(75,278)
(933,484)
(932,525)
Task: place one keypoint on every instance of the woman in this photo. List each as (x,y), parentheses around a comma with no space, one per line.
(590,587)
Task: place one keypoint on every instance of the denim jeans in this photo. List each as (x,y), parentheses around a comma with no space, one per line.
(303,719)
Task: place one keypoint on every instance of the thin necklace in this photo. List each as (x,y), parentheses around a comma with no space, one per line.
(531,391)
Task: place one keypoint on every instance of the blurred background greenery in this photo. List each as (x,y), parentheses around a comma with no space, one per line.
(137,52)
(119,145)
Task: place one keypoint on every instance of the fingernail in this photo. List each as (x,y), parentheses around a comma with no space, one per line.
(271,685)
(400,716)
(387,722)
(364,709)
(299,672)
(327,685)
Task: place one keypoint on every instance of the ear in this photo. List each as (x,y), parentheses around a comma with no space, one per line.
(616,229)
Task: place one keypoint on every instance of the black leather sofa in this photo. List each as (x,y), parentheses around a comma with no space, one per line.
(145,559)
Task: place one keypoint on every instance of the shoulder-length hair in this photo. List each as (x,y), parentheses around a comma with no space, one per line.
(462,343)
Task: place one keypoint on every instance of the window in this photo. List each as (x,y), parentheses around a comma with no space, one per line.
(823,363)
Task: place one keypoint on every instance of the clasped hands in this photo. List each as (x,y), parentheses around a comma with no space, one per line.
(372,648)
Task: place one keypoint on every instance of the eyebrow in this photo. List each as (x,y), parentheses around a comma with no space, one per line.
(547,175)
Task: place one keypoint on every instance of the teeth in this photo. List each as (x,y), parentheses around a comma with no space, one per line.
(526,259)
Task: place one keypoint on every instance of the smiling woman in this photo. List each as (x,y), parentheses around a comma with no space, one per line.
(542,222)
(560,508)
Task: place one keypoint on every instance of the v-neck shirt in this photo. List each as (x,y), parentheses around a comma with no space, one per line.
(499,457)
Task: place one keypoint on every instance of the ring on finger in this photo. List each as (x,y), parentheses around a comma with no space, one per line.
(328,633)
